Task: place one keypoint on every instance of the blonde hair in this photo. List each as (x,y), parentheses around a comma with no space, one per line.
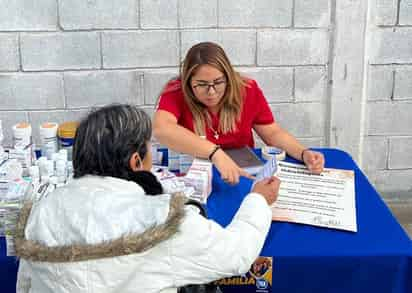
(231,103)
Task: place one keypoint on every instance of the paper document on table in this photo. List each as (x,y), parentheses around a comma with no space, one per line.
(325,200)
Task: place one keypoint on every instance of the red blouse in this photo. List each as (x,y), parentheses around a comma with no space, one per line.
(255,111)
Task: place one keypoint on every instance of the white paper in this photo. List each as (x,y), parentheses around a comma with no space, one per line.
(325,200)
(267,171)
(185,161)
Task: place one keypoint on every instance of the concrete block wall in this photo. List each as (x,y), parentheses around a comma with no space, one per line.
(387,152)
(59,58)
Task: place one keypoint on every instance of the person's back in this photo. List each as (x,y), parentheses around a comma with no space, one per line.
(107,234)
(86,221)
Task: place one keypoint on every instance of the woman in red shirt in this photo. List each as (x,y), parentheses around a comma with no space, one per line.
(211,99)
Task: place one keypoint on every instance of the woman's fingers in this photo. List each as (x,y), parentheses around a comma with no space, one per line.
(232,176)
(246,174)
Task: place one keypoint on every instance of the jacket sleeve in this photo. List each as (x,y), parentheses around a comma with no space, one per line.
(23,278)
(203,251)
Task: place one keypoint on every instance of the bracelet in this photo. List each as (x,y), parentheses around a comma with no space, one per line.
(217,147)
(301,156)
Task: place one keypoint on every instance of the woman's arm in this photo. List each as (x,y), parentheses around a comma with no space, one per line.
(274,135)
(170,133)
(203,251)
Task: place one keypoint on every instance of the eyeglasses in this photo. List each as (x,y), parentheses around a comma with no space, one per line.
(204,88)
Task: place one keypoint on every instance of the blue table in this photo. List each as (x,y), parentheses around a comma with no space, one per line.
(378,258)
(8,270)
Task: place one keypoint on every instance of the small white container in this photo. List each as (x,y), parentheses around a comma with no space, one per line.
(63,155)
(69,170)
(55,157)
(61,171)
(268,152)
(22,135)
(45,179)
(22,145)
(53,181)
(48,138)
(40,161)
(34,172)
(49,167)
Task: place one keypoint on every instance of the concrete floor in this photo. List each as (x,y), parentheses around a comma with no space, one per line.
(403,212)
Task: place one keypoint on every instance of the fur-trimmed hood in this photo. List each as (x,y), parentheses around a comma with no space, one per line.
(125,245)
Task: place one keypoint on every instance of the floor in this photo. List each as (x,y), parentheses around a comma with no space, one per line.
(403,212)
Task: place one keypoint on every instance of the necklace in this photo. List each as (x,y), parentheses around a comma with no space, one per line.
(215,133)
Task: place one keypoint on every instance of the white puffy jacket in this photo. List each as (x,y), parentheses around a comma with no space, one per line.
(103,234)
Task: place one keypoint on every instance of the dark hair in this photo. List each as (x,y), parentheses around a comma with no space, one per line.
(106,139)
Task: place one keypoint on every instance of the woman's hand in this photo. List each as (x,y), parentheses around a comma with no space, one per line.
(315,161)
(229,170)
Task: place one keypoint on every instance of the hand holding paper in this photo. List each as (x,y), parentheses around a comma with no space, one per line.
(268,170)
(268,188)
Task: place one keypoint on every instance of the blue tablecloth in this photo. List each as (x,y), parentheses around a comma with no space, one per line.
(8,270)
(378,258)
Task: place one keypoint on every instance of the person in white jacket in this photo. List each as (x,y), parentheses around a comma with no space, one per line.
(112,230)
